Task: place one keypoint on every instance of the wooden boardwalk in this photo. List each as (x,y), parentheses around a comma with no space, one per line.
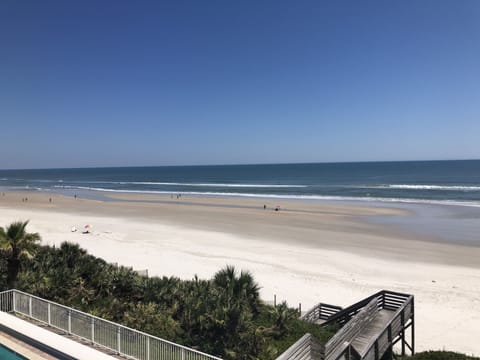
(372,330)
(369,329)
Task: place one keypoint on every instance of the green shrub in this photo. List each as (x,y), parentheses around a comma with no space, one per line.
(440,355)
(223,316)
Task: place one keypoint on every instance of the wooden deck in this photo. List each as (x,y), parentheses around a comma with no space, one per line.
(372,331)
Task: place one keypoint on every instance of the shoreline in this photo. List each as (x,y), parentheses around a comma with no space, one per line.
(304,253)
(302,222)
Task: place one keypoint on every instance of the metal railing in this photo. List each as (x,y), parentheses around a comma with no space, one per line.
(115,337)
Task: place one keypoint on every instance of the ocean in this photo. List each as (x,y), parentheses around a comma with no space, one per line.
(436,182)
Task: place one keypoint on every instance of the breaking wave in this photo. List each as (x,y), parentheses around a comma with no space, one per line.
(426,187)
(286,196)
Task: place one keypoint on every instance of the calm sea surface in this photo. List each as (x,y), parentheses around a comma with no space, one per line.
(454,182)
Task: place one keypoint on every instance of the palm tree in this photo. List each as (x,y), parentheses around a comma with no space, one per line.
(283,316)
(240,287)
(237,303)
(17,243)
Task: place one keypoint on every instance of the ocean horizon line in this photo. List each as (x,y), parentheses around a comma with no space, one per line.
(241,164)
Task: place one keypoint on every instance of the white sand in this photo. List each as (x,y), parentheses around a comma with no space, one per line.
(447,297)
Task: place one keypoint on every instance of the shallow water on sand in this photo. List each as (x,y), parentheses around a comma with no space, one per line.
(443,223)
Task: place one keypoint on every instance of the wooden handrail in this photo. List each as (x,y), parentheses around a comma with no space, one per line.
(302,349)
(351,330)
(321,311)
(383,296)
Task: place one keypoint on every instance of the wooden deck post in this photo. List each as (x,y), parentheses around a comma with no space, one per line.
(402,317)
(413,327)
(390,342)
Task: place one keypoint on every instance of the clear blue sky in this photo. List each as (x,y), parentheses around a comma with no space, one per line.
(120,83)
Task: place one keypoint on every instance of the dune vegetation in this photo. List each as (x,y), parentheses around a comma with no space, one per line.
(222,316)
(440,355)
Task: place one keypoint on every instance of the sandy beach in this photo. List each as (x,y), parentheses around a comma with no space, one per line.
(305,253)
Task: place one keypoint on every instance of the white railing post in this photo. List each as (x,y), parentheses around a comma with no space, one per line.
(14,302)
(49,316)
(30,306)
(183,354)
(118,340)
(69,321)
(93,329)
(148,348)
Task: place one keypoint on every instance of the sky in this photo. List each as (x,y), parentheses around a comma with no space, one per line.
(138,83)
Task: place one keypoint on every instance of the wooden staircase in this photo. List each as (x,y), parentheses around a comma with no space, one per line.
(369,329)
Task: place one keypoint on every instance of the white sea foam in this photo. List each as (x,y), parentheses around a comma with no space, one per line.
(24,187)
(39,180)
(196,184)
(288,197)
(430,187)
(213,184)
